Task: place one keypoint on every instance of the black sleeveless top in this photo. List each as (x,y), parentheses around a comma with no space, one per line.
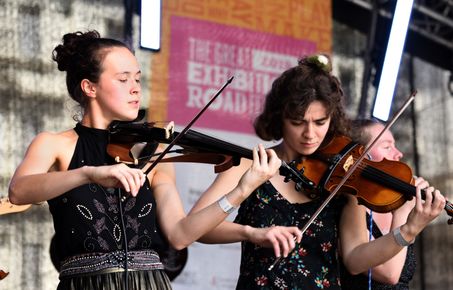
(360,282)
(87,219)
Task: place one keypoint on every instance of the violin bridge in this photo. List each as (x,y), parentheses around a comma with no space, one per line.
(169,129)
(348,163)
(118,160)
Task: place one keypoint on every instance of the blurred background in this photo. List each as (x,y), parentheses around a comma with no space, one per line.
(201,44)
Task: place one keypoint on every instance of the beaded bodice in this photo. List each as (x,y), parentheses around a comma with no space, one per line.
(88,219)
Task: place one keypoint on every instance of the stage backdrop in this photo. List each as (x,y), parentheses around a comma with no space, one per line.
(204,43)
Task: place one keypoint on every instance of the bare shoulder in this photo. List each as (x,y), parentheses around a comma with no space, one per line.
(55,141)
(352,211)
(52,150)
(351,201)
(44,140)
(59,137)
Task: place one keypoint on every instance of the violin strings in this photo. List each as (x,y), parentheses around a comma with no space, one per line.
(378,175)
(217,145)
(394,182)
(391,181)
(156,154)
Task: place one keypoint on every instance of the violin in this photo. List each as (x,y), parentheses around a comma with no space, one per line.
(135,143)
(7,207)
(340,167)
(341,160)
(380,186)
(3,274)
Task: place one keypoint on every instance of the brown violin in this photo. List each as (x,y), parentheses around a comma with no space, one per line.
(3,274)
(7,207)
(340,167)
(135,143)
(381,186)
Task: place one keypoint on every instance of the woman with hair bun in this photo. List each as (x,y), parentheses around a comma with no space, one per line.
(110,219)
(304,111)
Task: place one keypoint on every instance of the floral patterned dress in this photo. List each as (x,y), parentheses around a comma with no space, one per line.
(313,264)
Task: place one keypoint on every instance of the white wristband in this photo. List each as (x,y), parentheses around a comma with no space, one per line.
(225,205)
(400,240)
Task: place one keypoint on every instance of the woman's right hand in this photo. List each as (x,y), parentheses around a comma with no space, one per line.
(265,165)
(281,239)
(118,175)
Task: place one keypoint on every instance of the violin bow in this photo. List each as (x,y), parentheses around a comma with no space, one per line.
(350,171)
(181,134)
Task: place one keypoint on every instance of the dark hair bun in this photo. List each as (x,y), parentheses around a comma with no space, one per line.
(69,52)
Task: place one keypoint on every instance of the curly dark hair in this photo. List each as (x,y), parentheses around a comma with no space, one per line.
(294,90)
(81,56)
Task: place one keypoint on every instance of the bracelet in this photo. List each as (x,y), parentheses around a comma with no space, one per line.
(400,240)
(225,205)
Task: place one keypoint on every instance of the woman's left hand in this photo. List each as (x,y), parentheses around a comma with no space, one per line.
(424,211)
(265,165)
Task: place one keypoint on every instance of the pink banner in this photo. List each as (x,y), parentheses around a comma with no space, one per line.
(204,55)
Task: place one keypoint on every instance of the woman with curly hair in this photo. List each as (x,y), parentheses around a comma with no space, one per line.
(304,111)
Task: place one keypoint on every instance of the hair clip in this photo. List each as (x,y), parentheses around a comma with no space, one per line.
(322,61)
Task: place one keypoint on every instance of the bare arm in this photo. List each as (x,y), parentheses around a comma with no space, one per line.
(182,231)
(280,238)
(226,232)
(42,175)
(390,271)
(359,254)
